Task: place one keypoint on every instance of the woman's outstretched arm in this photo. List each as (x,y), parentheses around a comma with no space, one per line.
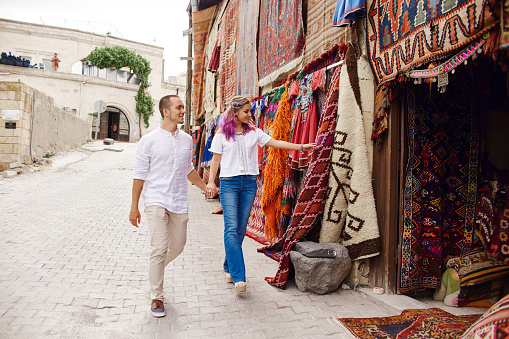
(289,146)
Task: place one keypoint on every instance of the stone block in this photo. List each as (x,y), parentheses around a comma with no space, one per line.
(108,141)
(5,132)
(320,274)
(11,104)
(9,140)
(15,164)
(8,174)
(7,95)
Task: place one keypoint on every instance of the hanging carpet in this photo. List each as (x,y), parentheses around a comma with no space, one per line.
(201,25)
(411,324)
(228,59)
(311,198)
(321,35)
(247,71)
(281,38)
(350,213)
(405,34)
(441,180)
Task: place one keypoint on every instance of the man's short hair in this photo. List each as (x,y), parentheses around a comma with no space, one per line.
(166,102)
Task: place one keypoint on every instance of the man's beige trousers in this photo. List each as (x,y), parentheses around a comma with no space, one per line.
(168,233)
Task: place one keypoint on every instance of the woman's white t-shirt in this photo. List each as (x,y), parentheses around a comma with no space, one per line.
(239,156)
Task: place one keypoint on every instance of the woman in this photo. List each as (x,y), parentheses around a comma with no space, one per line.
(235,147)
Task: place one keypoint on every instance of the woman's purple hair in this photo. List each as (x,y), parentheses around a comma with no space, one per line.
(228,123)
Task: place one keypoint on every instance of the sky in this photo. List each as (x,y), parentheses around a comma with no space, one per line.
(154,22)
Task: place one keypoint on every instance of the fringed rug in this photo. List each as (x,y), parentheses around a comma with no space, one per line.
(441,180)
(247,65)
(311,198)
(228,59)
(411,324)
(201,25)
(281,38)
(405,34)
(350,213)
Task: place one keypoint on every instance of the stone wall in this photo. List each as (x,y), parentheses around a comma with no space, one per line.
(15,142)
(47,128)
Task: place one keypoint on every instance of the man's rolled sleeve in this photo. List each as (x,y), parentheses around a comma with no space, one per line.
(141,161)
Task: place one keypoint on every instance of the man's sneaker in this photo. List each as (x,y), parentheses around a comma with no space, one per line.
(157,308)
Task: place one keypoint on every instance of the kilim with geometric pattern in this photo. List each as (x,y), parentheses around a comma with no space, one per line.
(441,179)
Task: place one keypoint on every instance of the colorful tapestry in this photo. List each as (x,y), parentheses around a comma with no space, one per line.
(228,60)
(274,174)
(201,25)
(281,38)
(311,198)
(348,11)
(247,71)
(321,36)
(350,213)
(493,219)
(405,34)
(441,180)
(493,324)
(411,324)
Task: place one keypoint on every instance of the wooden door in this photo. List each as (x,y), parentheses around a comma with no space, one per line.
(103,132)
(123,130)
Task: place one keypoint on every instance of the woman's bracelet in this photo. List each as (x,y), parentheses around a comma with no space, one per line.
(301,148)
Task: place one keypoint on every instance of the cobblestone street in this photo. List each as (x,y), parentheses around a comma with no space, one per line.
(71,265)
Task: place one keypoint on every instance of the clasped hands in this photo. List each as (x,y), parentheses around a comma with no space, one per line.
(211,190)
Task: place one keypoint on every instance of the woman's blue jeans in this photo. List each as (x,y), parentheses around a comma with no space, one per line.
(237,196)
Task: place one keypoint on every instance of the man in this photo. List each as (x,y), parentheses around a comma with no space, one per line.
(163,162)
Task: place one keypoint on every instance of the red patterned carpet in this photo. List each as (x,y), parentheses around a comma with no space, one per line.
(411,324)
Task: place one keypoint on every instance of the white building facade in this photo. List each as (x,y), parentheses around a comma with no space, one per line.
(76,85)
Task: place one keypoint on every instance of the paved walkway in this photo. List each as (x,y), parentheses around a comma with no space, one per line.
(71,265)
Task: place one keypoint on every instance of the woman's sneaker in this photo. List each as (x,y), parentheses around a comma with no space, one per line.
(157,308)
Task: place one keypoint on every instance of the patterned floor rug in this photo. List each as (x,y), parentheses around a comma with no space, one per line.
(411,324)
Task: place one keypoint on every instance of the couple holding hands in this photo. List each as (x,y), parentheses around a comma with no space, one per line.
(162,166)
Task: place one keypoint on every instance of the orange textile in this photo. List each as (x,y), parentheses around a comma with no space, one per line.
(201,25)
(274,174)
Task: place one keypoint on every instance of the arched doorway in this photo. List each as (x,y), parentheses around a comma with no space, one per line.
(114,125)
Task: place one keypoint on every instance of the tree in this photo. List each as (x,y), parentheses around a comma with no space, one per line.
(119,57)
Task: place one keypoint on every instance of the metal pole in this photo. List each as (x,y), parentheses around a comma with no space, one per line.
(189,76)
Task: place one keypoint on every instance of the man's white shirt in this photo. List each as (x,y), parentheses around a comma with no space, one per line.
(163,161)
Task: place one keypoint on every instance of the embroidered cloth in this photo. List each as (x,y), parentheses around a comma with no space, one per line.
(311,198)
(405,34)
(305,125)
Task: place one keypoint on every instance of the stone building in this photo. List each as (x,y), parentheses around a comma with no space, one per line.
(76,85)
